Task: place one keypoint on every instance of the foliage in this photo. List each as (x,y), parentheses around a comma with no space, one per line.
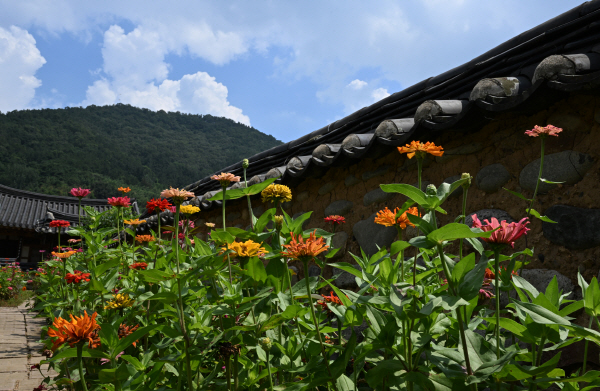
(13,281)
(102,148)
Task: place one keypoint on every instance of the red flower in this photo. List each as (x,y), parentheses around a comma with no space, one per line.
(139,266)
(335,219)
(506,233)
(77,277)
(79,192)
(157,205)
(119,202)
(59,224)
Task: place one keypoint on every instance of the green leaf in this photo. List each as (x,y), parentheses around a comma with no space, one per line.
(521,196)
(536,214)
(239,193)
(343,383)
(591,299)
(550,182)
(541,315)
(72,352)
(410,191)
(222,236)
(522,283)
(106,266)
(131,338)
(134,361)
(154,275)
(119,374)
(455,231)
(164,297)
(469,287)
(255,269)
(272,322)
(398,246)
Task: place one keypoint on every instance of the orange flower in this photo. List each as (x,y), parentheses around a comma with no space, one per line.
(64,255)
(24,288)
(139,266)
(420,149)
(124,190)
(304,250)
(144,238)
(134,222)
(125,330)
(388,218)
(79,329)
(543,131)
(178,196)
(225,178)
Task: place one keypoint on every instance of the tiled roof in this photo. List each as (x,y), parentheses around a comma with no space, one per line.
(29,210)
(556,57)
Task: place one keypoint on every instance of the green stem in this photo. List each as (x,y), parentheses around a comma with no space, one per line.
(80,359)
(464,216)
(249,203)
(224,230)
(235,372)
(419,169)
(585,350)
(228,372)
(186,337)
(315,321)
(269,370)
(537,184)
(497,293)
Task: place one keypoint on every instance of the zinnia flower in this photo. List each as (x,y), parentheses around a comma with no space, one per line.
(278,193)
(134,222)
(124,190)
(79,192)
(158,205)
(125,331)
(329,299)
(178,196)
(190,223)
(119,202)
(225,178)
(420,149)
(189,209)
(302,250)
(210,225)
(248,248)
(77,277)
(144,238)
(74,240)
(120,300)
(506,233)
(388,218)
(59,224)
(335,219)
(543,131)
(139,266)
(79,329)
(64,255)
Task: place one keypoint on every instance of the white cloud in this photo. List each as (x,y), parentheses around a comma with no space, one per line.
(19,61)
(136,73)
(354,95)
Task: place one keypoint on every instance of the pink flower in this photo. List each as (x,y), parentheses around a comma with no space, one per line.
(189,222)
(79,192)
(9,279)
(505,233)
(119,202)
(173,209)
(79,250)
(543,131)
(29,281)
(225,178)
(106,360)
(178,196)
(10,288)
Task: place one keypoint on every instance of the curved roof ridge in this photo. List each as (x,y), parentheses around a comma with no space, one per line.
(48,197)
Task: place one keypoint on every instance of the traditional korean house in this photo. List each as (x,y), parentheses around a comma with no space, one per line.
(25,235)
(478,112)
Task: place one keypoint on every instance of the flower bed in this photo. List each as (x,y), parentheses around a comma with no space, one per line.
(171,311)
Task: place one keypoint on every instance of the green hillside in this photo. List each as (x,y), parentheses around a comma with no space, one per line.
(102,148)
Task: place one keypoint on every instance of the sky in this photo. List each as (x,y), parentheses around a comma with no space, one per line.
(285,68)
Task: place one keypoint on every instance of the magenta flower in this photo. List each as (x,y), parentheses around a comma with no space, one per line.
(79,192)
(543,131)
(505,233)
(10,288)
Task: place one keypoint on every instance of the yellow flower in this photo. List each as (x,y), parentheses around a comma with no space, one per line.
(189,209)
(279,193)
(247,249)
(120,300)
(210,225)
(134,222)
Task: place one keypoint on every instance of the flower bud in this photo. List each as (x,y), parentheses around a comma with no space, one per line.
(431,189)
(466,175)
(245,163)
(265,343)
(278,219)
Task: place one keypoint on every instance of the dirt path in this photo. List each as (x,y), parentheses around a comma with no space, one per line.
(19,349)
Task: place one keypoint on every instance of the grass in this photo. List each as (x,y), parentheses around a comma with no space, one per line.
(18,299)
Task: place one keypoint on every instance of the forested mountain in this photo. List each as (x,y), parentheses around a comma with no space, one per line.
(102,148)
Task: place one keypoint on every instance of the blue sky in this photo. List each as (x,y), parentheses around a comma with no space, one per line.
(283,67)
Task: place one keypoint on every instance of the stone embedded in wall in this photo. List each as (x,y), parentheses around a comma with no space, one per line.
(286,205)
(377,196)
(411,164)
(369,235)
(339,207)
(314,271)
(258,210)
(565,166)
(233,216)
(597,116)
(382,170)
(453,153)
(450,181)
(339,241)
(484,214)
(302,196)
(345,279)
(326,188)
(351,180)
(491,178)
(576,228)
(568,122)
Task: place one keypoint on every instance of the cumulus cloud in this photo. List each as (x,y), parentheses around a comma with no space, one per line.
(355,95)
(135,72)
(19,61)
